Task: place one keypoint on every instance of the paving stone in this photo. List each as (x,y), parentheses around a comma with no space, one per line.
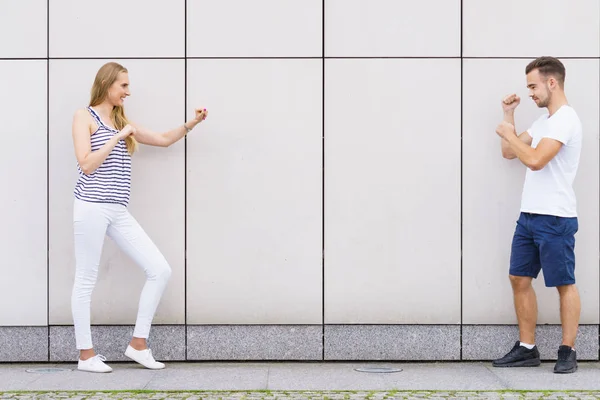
(312,395)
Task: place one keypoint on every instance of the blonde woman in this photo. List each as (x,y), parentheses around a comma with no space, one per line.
(104,141)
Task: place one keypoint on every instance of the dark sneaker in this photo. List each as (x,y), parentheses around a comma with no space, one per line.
(519,356)
(567,360)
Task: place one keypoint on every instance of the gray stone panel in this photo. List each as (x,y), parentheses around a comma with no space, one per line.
(392,342)
(486,342)
(23,343)
(166,341)
(255,342)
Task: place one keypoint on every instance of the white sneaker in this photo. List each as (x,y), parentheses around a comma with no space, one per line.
(94,364)
(143,357)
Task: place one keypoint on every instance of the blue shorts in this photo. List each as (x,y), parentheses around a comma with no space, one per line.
(545,242)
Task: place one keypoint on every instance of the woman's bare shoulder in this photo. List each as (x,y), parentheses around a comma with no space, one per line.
(82,113)
(82,117)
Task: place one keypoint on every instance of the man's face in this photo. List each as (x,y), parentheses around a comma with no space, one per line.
(539,88)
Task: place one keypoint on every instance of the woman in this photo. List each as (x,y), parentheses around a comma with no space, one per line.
(104,141)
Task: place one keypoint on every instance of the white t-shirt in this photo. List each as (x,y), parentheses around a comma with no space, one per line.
(550,190)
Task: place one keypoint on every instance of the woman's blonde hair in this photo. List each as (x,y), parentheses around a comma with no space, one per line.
(106,76)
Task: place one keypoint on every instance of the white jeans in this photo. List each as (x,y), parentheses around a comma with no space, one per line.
(91,222)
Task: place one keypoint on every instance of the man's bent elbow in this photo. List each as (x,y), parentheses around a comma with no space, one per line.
(535,165)
(508,156)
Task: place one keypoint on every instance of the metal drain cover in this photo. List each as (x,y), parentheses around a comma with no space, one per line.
(378,370)
(47,370)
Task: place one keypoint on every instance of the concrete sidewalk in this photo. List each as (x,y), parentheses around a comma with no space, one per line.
(318,376)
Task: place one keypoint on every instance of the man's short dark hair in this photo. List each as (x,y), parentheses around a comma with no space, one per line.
(548,66)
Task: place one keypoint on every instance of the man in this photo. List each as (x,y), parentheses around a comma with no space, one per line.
(544,235)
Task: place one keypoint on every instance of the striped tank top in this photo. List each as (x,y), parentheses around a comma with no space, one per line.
(111,182)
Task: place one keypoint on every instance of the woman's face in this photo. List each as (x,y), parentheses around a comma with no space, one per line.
(119,90)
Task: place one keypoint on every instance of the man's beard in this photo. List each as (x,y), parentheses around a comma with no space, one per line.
(546,102)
